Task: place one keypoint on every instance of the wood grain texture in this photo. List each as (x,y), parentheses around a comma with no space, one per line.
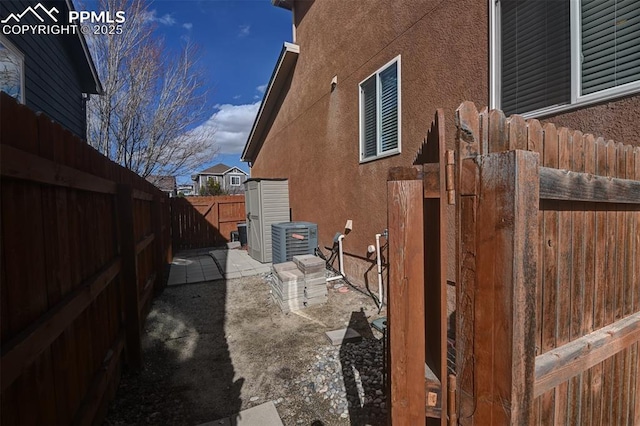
(406,302)
(560,364)
(507,258)
(61,308)
(435,259)
(471,137)
(565,185)
(589,277)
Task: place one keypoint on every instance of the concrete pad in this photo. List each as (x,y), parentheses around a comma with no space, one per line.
(248,272)
(212,275)
(288,294)
(292,276)
(311,294)
(315,275)
(232,275)
(288,306)
(337,337)
(263,269)
(286,266)
(316,282)
(308,262)
(260,415)
(233,245)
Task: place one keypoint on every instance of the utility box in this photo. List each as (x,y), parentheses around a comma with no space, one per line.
(266,203)
(293,239)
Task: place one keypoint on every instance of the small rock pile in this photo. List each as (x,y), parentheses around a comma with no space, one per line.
(350,377)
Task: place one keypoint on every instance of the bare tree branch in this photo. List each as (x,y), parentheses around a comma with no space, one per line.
(152,98)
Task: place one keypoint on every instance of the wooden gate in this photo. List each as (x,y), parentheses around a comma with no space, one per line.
(417,309)
(547,312)
(199,222)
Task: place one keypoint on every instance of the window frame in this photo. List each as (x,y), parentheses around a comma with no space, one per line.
(13,49)
(376,74)
(231,180)
(576,100)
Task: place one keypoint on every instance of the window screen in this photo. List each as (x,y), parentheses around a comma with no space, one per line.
(610,43)
(379,113)
(535,54)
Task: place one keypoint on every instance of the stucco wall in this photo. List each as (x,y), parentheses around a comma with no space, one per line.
(314,141)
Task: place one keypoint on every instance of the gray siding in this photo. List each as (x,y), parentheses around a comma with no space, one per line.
(52,84)
(232,188)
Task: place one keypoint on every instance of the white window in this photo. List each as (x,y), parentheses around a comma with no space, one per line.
(11,70)
(551,55)
(235,180)
(380,113)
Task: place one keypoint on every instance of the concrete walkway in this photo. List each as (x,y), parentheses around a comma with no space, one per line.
(201,265)
(261,415)
(238,263)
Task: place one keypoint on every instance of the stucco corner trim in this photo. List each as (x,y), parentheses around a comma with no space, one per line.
(285,64)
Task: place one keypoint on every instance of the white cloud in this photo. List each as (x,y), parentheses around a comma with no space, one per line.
(244,30)
(237,96)
(166,19)
(229,127)
(187,25)
(261,88)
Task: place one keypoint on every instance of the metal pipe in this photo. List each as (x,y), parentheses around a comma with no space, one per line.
(337,277)
(379,264)
(340,238)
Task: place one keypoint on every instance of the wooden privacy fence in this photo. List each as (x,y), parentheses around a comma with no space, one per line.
(199,222)
(84,244)
(547,320)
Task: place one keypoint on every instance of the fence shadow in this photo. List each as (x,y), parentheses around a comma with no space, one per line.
(199,222)
(361,372)
(187,362)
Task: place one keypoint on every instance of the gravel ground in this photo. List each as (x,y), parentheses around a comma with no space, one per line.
(213,349)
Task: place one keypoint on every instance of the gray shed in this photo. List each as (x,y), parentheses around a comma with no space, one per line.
(266,203)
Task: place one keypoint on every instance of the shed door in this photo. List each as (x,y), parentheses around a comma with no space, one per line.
(254,227)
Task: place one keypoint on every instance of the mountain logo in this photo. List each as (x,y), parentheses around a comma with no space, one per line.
(34,11)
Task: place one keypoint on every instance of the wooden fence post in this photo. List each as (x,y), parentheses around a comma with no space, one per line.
(129,276)
(506,271)
(406,302)
(156,226)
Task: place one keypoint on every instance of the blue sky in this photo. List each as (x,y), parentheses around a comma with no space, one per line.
(240,41)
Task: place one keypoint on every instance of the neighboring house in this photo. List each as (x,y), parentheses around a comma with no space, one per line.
(231,179)
(356,91)
(166,184)
(186,189)
(50,73)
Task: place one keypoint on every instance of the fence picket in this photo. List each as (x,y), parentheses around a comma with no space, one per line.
(588,277)
(55,237)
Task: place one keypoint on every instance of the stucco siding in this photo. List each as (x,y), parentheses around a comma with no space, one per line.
(313,139)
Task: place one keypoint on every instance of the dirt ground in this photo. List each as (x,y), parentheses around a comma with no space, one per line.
(213,349)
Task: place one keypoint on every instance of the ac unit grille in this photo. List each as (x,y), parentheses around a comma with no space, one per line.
(290,239)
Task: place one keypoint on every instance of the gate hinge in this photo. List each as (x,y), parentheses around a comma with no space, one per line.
(450,176)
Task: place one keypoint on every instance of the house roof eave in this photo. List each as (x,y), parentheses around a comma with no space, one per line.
(236,168)
(285,4)
(90,85)
(284,66)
